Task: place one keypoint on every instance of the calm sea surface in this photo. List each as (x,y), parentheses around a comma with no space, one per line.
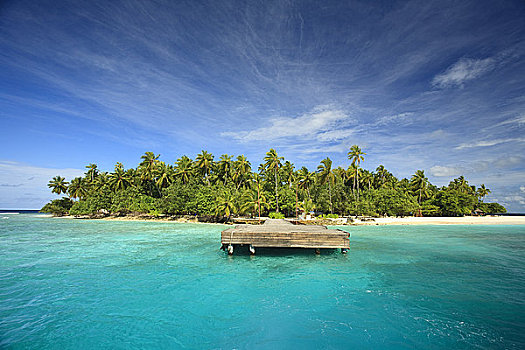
(67,284)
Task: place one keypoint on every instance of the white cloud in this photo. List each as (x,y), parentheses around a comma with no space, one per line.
(334,135)
(329,149)
(463,70)
(19,179)
(321,123)
(508,162)
(440,171)
(518,120)
(496,163)
(515,198)
(488,143)
(397,118)
(522,189)
(499,178)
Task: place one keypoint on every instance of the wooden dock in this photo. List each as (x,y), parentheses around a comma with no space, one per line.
(284,234)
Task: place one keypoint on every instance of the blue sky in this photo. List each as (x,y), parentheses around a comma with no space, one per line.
(433,85)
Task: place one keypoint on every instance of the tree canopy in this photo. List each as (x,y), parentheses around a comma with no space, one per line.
(229,186)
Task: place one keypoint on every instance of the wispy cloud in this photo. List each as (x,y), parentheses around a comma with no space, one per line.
(515,198)
(325,150)
(319,124)
(442,171)
(500,163)
(488,143)
(397,118)
(519,121)
(11,186)
(462,71)
(337,134)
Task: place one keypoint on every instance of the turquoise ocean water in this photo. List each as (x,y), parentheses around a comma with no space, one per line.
(68,284)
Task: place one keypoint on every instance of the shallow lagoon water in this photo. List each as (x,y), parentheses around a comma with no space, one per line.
(68,284)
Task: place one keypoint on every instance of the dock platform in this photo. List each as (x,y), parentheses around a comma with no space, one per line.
(283,234)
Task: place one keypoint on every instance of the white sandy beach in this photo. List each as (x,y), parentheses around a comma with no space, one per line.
(466,220)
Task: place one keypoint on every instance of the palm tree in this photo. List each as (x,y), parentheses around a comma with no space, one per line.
(351,174)
(482,192)
(226,205)
(147,171)
(460,184)
(340,174)
(134,178)
(296,185)
(164,175)
(419,183)
(306,179)
(204,163)
(120,179)
(381,174)
(391,180)
(77,188)
(273,162)
(288,172)
(260,196)
(225,167)
(326,175)
(367,178)
(183,169)
(242,169)
(101,180)
(463,183)
(356,156)
(252,201)
(307,205)
(147,166)
(58,185)
(92,172)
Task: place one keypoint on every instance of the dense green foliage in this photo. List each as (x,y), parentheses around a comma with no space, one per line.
(58,207)
(492,208)
(229,187)
(274,215)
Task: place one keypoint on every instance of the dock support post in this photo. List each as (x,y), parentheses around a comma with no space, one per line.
(317,251)
(252,250)
(230,250)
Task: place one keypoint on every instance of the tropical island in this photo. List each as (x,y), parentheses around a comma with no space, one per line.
(218,190)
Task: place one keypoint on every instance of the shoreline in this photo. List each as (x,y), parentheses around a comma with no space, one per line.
(466,220)
(127,218)
(141,219)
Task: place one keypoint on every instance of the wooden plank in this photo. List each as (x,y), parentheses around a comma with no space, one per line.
(280,233)
(252,240)
(292,243)
(277,235)
(313,233)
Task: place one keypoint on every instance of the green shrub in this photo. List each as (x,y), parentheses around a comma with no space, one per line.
(58,207)
(274,215)
(84,207)
(329,216)
(492,208)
